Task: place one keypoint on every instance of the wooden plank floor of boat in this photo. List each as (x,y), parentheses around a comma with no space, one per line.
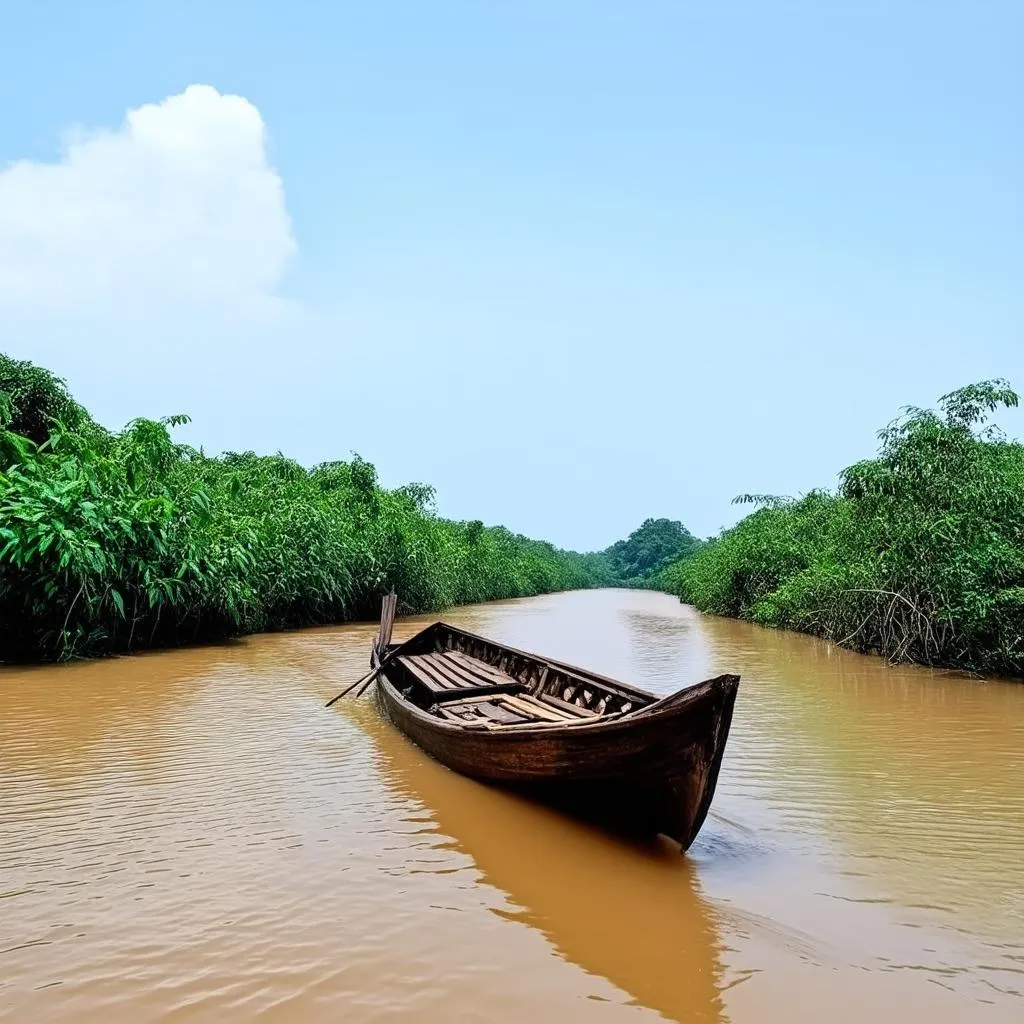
(466,690)
(444,677)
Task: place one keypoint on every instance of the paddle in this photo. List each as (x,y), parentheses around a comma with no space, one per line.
(365,680)
(362,689)
(387,621)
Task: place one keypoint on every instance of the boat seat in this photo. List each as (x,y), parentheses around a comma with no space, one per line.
(569,710)
(480,710)
(447,677)
(503,708)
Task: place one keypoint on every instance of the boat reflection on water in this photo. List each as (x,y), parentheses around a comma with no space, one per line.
(629,912)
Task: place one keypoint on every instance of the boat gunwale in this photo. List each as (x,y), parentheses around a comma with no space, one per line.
(553,662)
(658,708)
(631,720)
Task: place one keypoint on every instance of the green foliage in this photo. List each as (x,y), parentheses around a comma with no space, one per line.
(654,544)
(33,399)
(115,542)
(919,556)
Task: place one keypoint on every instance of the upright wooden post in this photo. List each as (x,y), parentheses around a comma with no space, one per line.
(387,621)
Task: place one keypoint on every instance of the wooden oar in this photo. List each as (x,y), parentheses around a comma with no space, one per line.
(387,621)
(365,680)
(372,679)
(368,678)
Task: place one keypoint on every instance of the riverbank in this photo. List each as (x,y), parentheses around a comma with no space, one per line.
(919,555)
(121,541)
(115,541)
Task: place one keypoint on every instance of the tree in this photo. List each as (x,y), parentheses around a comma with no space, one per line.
(36,398)
(653,545)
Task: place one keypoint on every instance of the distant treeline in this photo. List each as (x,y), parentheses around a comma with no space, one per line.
(652,547)
(116,541)
(919,554)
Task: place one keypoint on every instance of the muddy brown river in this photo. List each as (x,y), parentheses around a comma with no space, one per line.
(191,836)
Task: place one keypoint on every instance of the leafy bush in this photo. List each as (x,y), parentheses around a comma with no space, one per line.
(919,555)
(31,398)
(655,544)
(118,541)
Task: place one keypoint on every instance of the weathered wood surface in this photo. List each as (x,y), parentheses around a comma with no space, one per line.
(387,620)
(597,745)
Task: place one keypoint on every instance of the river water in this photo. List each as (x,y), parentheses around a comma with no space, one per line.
(191,836)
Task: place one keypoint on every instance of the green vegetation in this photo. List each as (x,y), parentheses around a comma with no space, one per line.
(118,541)
(655,544)
(918,556)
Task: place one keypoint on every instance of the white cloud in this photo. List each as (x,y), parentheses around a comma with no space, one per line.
(179,204)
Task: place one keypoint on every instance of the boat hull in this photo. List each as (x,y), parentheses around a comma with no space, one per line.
(652,772)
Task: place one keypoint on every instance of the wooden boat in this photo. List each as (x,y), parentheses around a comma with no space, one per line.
(602,748)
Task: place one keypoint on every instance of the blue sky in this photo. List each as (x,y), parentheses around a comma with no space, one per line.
(575,264)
